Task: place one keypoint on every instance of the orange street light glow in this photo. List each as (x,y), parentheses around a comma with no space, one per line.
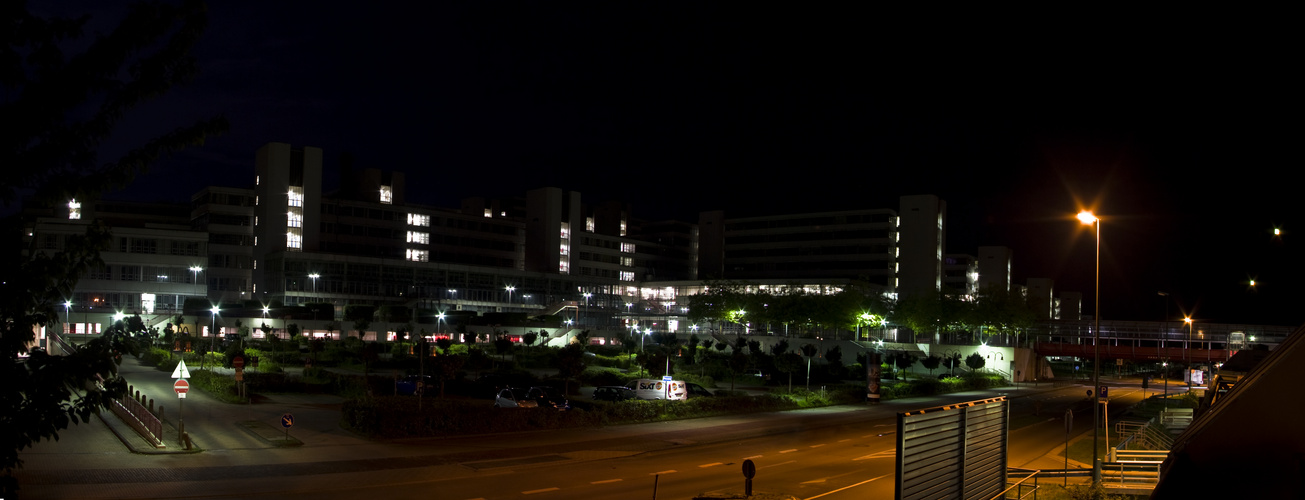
(1086,217)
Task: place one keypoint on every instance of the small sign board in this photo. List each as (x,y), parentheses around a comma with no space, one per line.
(287,420)
(666,378)
(180,371)
(182,387)
(238,362)
(1103,392)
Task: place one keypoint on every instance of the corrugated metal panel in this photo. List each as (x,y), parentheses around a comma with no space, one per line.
(954,451)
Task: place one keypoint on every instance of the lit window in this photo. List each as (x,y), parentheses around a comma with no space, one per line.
(418,255)
(627,261)
(627,276)
(622,227)
(627,247)
(294,219)
(416,237)
(564,267)
(418,220)
(296,197)
(565,250)
(256,179)
(589,224)
(74,210)
(387,195)
(489,214)
(294,241)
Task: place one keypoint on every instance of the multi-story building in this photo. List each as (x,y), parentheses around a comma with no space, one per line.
(151,267)
(283,240)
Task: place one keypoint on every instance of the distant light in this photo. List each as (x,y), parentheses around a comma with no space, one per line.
(1277,232)
(1086,217)
(1252,282)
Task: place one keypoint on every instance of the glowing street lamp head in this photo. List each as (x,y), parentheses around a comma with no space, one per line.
(1086,217)
(1187,319)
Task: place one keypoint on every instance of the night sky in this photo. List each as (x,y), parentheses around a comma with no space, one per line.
(1177,127)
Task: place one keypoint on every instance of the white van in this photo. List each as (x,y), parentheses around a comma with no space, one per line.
(647,388)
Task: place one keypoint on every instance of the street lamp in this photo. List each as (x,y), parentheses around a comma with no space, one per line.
(213,329)
(314,277)
(510,289)
(1087,218)
(67,315)
(587,295)
(1187,351)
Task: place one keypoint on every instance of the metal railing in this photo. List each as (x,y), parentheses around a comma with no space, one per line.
(139,418)
(1021,487)
(1131,474)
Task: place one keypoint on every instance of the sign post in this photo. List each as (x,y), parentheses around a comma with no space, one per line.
(287,420)
(1069,425)
(749,471)
(182,387)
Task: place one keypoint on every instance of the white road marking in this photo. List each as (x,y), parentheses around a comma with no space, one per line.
(663,472)
(882,454)
(545,490)
(752,457)
(605,481)
(844,440)
(779,464)
(788,450)
(710,465)
(850,486)
(817,445)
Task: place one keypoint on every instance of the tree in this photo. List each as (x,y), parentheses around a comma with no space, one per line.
(789,362)
(63,97)
(975,361)
(903,360)
(931,362)
(529,338)
(570,363)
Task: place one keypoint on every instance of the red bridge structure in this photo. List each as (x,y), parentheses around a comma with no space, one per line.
(1153,340)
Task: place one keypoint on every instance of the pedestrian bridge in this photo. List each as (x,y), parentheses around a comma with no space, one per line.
(1153,340)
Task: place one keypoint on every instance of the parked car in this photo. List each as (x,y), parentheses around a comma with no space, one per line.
(696,390)
(413,385)
(514,397)
(613,393)
(548,397)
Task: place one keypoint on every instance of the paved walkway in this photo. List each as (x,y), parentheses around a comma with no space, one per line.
(107,459)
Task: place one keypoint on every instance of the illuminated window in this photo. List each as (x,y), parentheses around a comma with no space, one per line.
(296,197)
(256,179)
(627,247)
(74,210)
(627,261)
(589,224)
(627,276)
(564,267)
(622,227)
(418,255)
(565,249)
(294,241)
(419,220)
(387,195)
(294,219)
(416,237)
(489,213)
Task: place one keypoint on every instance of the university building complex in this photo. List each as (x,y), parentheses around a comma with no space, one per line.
(281,240)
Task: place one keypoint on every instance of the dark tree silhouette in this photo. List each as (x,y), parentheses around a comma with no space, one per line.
(62,96)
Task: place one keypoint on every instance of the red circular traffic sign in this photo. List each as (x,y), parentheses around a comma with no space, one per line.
(181,386)
(238,362)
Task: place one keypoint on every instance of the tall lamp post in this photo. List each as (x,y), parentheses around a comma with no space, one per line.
(510,289)
(587,295)
(212,330)
(1087,218)
(1187,352)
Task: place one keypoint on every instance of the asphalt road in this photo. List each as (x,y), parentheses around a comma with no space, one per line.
(821,453)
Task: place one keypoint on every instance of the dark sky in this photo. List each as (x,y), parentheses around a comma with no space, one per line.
(1176,127)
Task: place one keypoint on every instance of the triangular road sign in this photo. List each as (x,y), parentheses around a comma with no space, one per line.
(181,371)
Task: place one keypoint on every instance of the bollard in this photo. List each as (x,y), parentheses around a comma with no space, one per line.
(151,405)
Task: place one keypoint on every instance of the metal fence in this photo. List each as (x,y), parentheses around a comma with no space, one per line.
(139,418)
